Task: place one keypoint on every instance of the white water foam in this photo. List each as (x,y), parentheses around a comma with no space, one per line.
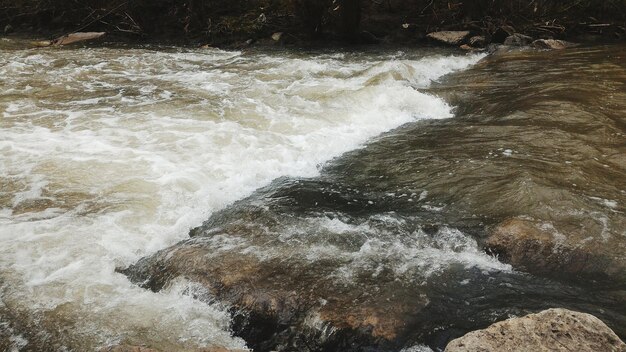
(110,155)
(382,243)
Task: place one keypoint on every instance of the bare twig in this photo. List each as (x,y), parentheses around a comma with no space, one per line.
(427,6)
(102,17)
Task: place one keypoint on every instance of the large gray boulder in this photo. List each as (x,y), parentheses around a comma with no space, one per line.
(550,330)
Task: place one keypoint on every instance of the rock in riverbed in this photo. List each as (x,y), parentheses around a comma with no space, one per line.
(277,36)
(450,37)
(550,330)
(541,249)
(283,300)
(70,39)
(552,44)
(518,40)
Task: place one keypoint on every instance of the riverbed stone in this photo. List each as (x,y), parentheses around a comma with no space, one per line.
(550,330)
(77,37)
(540,248)
(518,39)
(284,297)
(277,36)
(553,44)
(471,48)
(450,37)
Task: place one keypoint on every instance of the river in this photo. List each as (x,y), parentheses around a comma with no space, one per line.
(373,170)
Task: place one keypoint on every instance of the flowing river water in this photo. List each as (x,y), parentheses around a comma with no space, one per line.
(360,181)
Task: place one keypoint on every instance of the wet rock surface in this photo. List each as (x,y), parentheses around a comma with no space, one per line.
(450,37)
(535,247)
(550,330)
(285,300)
(390,245)
(552,44)
(518,39)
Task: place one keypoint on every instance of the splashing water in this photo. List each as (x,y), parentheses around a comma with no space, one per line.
(108,155)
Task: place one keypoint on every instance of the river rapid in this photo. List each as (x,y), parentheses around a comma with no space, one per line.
(375,170)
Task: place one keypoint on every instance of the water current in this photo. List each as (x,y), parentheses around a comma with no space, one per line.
(373,170)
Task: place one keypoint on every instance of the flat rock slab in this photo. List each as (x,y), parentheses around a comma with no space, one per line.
(550,330)
(450,37)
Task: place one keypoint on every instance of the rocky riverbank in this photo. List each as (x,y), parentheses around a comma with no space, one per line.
(312,22)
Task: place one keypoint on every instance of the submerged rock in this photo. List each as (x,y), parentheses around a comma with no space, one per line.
(541,249)
(552,44)
(518,40)
(550,330)
(304,269)
(278,303)
(450,37)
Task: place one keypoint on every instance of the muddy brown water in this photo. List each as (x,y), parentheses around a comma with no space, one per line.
(381,248)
